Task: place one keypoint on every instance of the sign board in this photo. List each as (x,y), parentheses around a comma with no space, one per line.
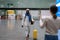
(10,11)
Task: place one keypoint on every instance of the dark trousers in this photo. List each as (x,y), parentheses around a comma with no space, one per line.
(51,37)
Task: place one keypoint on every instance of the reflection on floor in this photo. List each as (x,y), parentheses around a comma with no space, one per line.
(12,30)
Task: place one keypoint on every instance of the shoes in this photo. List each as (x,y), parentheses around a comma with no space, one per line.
(27,38)
(22,26)
(28,35)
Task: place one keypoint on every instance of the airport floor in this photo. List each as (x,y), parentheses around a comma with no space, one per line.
(12,30)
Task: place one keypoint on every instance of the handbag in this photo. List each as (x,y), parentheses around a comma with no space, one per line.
(32,22)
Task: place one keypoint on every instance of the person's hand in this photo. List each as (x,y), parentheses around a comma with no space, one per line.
(22,26)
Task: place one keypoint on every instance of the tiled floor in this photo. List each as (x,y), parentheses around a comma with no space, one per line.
(12,30)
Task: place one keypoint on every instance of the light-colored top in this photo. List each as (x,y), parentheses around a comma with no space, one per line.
(52,25)
(25,21)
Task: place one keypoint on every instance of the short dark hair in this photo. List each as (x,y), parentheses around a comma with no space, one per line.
(53,9)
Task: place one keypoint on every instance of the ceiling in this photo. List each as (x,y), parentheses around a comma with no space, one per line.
(26,3)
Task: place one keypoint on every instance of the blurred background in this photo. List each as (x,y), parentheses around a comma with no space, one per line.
(40,5)
(11,20)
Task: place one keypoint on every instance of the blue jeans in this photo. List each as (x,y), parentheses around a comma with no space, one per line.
(51,37)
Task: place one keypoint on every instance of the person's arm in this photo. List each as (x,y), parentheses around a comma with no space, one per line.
(42,24)
(23,20)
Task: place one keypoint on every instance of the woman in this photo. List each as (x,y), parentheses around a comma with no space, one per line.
(52,25)
(27,22)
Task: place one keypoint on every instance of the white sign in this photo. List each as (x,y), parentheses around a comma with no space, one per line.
(11,16)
